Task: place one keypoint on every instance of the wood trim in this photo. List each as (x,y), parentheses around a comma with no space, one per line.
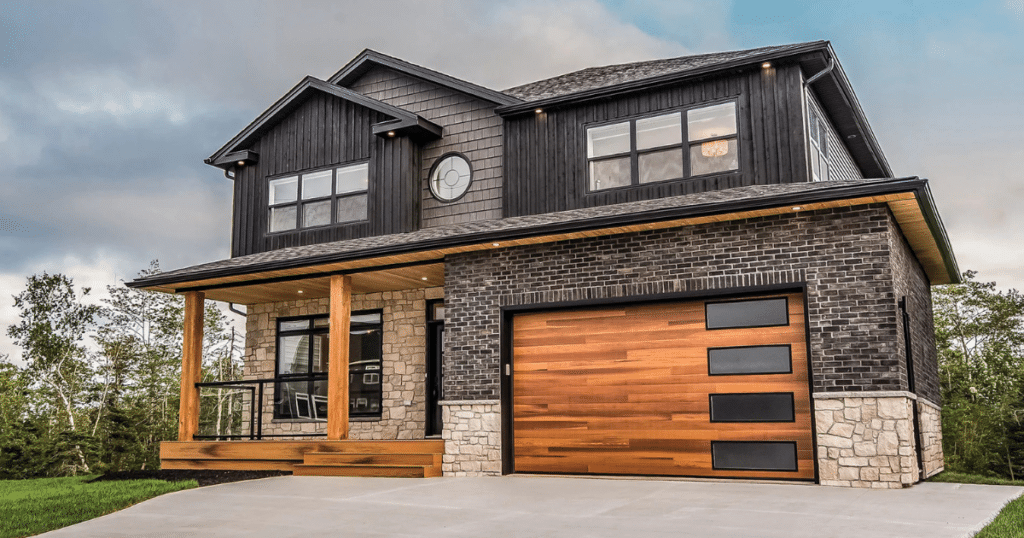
(191,365)
(337,377)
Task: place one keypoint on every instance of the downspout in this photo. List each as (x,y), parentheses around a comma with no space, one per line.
(228,171)
(231,307)
(823,72)
(912,386)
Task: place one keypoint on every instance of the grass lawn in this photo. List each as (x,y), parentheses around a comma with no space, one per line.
(1010,521)
(30,507)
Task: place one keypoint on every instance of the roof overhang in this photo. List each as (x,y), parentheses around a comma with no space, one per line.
(400,123)
(368,59)
(420,263)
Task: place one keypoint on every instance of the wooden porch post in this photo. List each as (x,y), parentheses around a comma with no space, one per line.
(191,365)
(337,369)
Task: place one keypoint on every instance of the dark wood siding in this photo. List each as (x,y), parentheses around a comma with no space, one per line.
(546,161)
(324,131)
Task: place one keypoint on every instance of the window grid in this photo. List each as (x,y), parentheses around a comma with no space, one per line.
(300,203)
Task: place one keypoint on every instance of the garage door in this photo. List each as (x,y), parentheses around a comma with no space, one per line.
(699,388)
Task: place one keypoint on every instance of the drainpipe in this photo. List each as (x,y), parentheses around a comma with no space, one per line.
(231,307)
(911,385)
(823,72)
(227,174)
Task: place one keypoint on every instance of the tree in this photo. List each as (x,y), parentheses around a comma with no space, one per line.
(980,338)
(53,326)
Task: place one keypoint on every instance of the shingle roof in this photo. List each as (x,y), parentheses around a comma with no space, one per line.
(611,75)
(482,231)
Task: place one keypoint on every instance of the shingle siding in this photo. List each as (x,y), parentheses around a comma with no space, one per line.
(843,255)
(470,127)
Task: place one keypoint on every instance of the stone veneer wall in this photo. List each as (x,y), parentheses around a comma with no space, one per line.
(403,370)
(930,421)
(866,441)
(472,438)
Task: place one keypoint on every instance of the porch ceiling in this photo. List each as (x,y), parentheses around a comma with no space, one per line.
(272,290)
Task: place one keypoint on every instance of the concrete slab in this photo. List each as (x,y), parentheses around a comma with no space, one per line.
(527,506)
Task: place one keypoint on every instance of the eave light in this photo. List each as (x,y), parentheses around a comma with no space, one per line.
(539,111)
(797,208)
(766,65)
(495,244)
(391,134)
(300,292)
(241,163)
(423,278)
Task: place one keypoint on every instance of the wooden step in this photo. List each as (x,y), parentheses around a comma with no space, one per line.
(328,458)
(390,471)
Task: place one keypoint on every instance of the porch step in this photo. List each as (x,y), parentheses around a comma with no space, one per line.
(346,469)
(332,458)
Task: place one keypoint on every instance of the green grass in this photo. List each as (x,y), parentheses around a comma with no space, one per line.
(29,507)
(1010,521)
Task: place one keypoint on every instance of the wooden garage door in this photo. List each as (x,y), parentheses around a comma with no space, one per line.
(696,388)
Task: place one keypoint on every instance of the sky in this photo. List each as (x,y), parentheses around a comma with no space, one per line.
(107,108)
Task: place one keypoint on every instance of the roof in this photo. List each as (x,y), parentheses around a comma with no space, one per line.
(612,75)
(402,120)
(610,217)
(370,58)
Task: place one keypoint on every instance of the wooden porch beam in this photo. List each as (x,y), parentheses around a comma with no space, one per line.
(191,365)
(337,370)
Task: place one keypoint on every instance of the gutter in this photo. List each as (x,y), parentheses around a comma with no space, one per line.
(916,185)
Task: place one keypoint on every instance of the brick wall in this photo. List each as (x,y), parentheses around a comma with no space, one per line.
(470,127)
(844,255)
(912,283)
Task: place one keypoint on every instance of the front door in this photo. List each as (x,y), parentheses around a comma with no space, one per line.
(435,361)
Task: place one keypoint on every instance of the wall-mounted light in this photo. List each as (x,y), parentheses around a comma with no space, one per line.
(766,65)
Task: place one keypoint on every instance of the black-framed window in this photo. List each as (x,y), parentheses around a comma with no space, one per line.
(754,455)
(302,352)
(663,147)
(747,314)
(818,147)
(750,360)
(318,198)
(752,407)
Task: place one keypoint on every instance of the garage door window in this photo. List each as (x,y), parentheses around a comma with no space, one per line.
(754,455)
(750,360)
(772,312)
(756,407)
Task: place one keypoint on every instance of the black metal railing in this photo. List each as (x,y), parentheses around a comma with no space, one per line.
(254,388)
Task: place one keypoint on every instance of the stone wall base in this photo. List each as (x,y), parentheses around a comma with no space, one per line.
(866,442)
(472,438)
(930,421)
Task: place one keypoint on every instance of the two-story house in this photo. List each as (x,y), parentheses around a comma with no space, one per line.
(698,266)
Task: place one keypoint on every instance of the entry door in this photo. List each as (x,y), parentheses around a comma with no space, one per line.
(699,388)
(435,365)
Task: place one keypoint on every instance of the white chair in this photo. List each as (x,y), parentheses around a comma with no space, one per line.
(302,405)
(315,400)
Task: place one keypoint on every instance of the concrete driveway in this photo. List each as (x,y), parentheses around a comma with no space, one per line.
(527,506)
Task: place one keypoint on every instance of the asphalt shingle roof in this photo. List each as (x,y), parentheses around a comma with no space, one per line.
(484,230)
(611,75)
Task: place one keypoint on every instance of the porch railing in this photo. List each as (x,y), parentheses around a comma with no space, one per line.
(238,413)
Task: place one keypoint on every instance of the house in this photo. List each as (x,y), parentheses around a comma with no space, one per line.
(699,266)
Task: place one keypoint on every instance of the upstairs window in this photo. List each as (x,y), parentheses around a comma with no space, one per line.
(819,147)
(319,198)
(652,149)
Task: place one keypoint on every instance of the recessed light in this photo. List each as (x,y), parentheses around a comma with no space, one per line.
(300,292)
(241,163)
(766,65)
(495,244)
(797,208)
(423,278)
(391,133)
(539,111)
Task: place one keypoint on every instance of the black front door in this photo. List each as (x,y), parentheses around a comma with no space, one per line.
(435,372)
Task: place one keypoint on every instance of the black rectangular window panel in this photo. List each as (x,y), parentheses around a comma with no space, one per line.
(302,365)
(757,407)
(749,360)
(754,455)
(743,314)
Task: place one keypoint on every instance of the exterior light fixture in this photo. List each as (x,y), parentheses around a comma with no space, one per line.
(495,244)
(241,163)
(300,292)
(715,148)
(797,208)
(391,133)
(539,110)
(766,65)
(423,278)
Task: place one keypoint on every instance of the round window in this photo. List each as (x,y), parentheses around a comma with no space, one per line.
(450,178)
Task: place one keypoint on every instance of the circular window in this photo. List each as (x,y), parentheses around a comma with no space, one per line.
(450,178)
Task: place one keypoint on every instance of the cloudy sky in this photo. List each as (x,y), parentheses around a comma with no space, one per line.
(107,108)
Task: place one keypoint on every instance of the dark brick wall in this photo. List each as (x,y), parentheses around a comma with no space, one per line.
(843,255)
(911,282)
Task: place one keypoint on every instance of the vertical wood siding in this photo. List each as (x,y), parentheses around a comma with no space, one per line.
(546,160)
(325,131)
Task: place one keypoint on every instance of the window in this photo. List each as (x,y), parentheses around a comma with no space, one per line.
(302,352)
(318,198)
(819,147)
(652,149)
(754,455)
(752,407)
(750,360)
(771,312)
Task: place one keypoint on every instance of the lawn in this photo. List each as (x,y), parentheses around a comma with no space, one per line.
(1010,521)
(29,507)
